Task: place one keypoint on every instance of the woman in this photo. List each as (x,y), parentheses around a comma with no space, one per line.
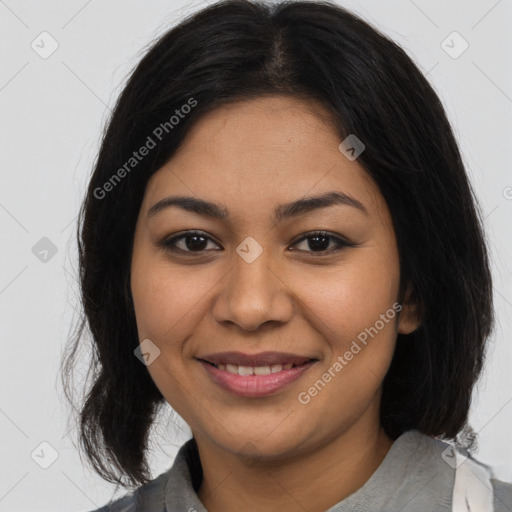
(280,241)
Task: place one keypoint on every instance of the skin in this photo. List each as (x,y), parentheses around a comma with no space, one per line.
(271,453)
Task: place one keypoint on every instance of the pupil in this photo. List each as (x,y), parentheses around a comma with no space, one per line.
(195,245)
(316,246)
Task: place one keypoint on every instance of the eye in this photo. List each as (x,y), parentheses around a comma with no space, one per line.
(197,242)
(190,241)
(319,241)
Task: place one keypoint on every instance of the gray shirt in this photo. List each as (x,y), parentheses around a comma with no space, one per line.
(413,477)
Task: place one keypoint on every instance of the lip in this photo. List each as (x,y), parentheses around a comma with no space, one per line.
(253,386)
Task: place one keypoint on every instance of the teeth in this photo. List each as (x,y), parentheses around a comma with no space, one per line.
(250,370)
(245,370)
(232,368)
(262,370)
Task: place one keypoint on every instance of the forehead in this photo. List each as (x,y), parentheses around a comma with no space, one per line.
(258,128)
(267,151)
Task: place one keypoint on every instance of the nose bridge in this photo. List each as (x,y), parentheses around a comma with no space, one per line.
(253,292)
(252,272)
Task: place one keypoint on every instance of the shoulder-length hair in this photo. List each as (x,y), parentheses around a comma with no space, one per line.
(314,51)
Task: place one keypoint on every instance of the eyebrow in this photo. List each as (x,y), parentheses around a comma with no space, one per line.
(281,212)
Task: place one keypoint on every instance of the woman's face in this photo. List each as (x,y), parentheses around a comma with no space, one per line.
(251,284)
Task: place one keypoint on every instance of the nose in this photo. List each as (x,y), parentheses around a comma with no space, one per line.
(253,294)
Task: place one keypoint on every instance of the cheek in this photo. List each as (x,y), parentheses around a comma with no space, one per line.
(167,306)
(349,298)
(359,343)
(167,300)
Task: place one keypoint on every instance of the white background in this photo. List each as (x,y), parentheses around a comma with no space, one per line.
(52,113)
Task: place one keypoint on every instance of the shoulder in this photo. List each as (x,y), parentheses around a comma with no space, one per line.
(446,461)
(502,495)
(126,504)
(171,490)
(147,497)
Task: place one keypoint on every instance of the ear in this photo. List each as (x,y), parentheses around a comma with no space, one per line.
(409,319)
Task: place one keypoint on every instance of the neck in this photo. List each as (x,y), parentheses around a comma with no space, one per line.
(313,481)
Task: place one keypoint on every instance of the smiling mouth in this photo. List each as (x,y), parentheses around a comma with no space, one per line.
(255,375)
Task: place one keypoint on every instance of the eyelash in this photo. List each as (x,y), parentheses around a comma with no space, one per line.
(169,243)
